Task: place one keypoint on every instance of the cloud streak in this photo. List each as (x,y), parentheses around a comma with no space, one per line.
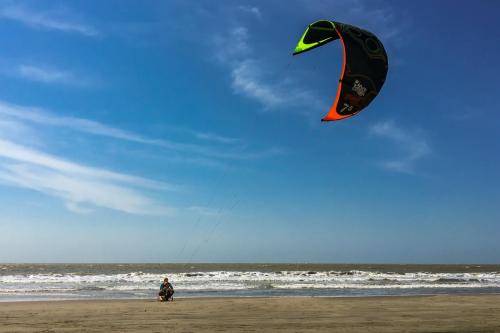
(57,20)
(412,144)
(248,77)
(80,187)
(246,80)
(83,188)
(19,153)
(50,75)
(43,117)
(206,136)
(214,137)
(252,10)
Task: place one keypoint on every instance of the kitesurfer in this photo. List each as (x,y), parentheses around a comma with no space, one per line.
(166,291)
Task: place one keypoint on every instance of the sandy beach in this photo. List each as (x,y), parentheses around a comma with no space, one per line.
(479,313)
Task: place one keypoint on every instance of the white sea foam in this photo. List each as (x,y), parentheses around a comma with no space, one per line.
(140,282)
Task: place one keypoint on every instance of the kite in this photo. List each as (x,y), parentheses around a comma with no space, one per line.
(364,69)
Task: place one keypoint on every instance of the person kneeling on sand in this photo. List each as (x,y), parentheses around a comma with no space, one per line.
(166,291)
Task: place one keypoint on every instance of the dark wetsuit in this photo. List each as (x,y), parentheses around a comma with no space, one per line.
(166,291)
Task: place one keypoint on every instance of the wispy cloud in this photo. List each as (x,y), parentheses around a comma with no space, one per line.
(12,130)
(411,143)
(20,153)
(44,74)
(205,136)
(239,50)
(252,10)
(215,138)
(50,75)
(247,81)
(44,117)
(252,78)
(54,19)
(83,188)
(79,186)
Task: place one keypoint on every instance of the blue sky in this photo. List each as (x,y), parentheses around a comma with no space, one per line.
(185,131)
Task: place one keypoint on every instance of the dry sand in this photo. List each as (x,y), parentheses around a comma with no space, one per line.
(467,314)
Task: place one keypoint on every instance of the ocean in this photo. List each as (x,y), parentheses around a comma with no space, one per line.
(23,282)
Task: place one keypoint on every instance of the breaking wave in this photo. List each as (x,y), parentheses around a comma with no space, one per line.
(135,284)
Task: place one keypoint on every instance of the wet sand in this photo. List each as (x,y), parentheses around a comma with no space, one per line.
(466,314)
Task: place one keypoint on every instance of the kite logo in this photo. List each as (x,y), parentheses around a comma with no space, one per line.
(358,88)
(346,107)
